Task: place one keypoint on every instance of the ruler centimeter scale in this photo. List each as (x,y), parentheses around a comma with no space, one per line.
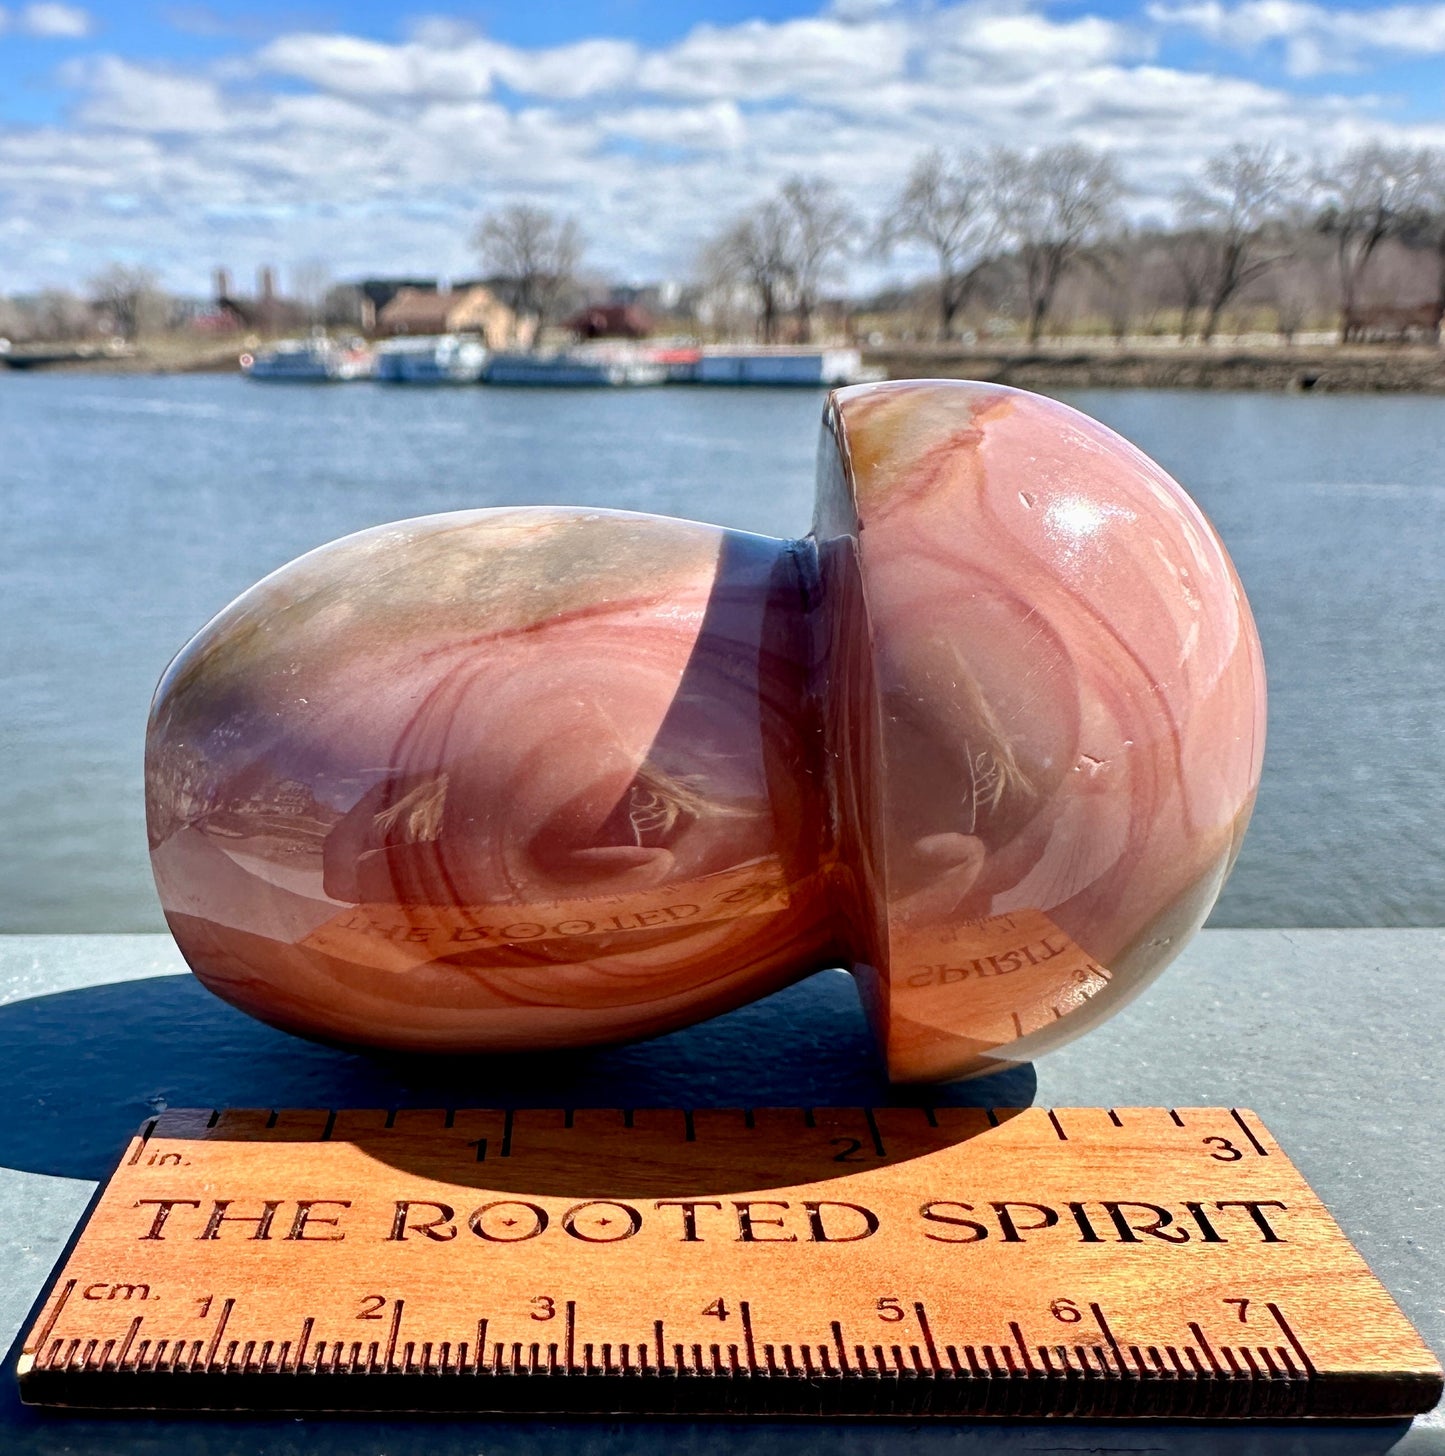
(1078,1262)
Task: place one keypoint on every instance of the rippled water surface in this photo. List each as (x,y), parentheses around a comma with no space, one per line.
(135,508)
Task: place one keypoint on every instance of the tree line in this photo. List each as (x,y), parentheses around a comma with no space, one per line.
(1009,229)
(1010,235)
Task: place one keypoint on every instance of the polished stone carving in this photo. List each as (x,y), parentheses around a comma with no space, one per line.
(515,779)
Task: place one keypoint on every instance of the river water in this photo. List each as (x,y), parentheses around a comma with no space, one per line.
(133,508)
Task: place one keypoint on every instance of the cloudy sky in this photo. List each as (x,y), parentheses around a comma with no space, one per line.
(242,131)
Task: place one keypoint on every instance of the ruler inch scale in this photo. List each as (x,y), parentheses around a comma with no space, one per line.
(1093,1263)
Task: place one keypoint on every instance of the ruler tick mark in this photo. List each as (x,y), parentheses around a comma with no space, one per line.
(923,1325)
(1205,1346)
(507,1134)
(124,1352)
(54,1314)
(218,1332)
(747,1318)
(1058,1126)
(1108,1335)
(145,1137)
(1293,1339)
(1245,1128)
(394,1332)
(330,1126)
(837,1330)
(874,1133)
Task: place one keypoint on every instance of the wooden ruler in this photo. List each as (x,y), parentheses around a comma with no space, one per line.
(953,1262)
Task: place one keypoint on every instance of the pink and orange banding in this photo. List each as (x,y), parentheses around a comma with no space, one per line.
(518,779)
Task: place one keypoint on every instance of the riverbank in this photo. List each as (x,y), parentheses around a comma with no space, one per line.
(1068,365)
(1064,364)
(166,355)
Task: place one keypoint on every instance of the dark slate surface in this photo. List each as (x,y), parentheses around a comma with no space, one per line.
(1332,1036)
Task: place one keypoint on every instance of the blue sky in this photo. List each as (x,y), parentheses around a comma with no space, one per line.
(187,135)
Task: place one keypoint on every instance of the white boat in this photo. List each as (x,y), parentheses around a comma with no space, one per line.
(317,360)
(431,359)
(580,367)
(784,365)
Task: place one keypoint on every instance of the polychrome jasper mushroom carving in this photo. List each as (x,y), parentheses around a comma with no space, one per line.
(516,779)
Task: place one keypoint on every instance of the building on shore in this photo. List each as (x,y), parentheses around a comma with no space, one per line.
(265,311)
(611,321)
(469,308)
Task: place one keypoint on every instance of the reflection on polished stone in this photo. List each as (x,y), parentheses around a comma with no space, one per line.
(511,779)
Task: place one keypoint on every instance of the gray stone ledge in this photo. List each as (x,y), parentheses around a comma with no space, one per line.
(1332,1036)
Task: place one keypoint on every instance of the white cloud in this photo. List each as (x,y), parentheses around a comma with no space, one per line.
(1316,38)
(380,156)
(351,66)
(61,22)
(129,97)
(991,43)
(442,63)
(717,126)
(756,60)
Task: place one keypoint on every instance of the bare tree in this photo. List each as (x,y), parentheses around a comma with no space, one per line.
(310,285)
(1191,260)
(59,314)
(783,250)
(130,296)
(1294,292)
(1372,193)
(536,255)
(1051,206)
(1429,227)
(1115,263)
(820,228)
(1229,211)
(756,252)
(343,307)
(946,205)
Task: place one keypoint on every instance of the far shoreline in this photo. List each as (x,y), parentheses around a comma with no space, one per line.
(1085,364)
(1055,365)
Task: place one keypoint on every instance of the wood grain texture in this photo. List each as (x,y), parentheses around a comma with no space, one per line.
(1098,1263)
